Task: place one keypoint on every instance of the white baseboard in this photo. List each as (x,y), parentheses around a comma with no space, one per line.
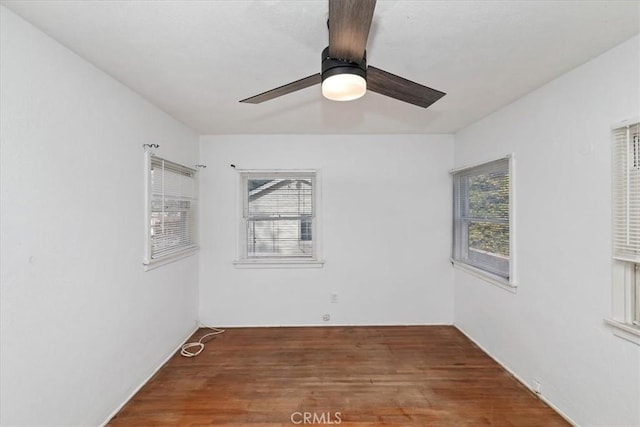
(327,324)
(520,380)
(137,389)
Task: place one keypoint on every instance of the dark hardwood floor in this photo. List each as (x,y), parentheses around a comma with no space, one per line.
(349,376)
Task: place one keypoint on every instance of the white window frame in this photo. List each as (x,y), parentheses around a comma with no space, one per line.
(625,316)
(242,260)
(510,283)
(152,261)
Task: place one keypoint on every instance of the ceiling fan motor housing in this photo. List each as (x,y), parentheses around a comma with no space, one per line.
(332,66)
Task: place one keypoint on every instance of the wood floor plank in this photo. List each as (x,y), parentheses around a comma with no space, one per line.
(371,376)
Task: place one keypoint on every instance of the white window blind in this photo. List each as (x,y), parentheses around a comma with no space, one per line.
(481,217)
(279,215)
(625,179)
(626,193)
(173,202)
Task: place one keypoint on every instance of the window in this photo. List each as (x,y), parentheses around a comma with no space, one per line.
(305,229)
(482,222)
(279,221)
(171,211)
(626,229)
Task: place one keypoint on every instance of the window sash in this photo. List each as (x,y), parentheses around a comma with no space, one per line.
(172,209)
(491,250)
(278,215)
(636,290)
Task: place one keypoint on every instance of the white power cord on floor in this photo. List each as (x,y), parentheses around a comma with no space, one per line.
(185,348)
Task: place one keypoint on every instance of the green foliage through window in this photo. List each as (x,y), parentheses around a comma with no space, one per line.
(488,213)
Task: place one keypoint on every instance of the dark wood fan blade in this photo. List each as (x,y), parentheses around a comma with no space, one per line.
(349,23)
(283,90)
(402,89)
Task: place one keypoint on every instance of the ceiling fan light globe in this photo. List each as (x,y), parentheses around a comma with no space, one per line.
(344,87)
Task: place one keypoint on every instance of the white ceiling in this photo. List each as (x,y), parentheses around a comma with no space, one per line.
(197,59)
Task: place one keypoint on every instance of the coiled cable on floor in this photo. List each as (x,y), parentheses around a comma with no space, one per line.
(185,350)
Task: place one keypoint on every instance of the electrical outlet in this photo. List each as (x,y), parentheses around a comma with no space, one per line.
(334,298)
(326,317)
(537,386)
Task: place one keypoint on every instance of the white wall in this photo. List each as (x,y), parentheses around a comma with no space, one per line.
(552,329)
(82,324)
(386,205)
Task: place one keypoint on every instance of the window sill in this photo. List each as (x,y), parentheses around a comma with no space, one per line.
(624,331)
(486,276)
(155,263)
(278,263)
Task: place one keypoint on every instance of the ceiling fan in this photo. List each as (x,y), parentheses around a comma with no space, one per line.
(345,75)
